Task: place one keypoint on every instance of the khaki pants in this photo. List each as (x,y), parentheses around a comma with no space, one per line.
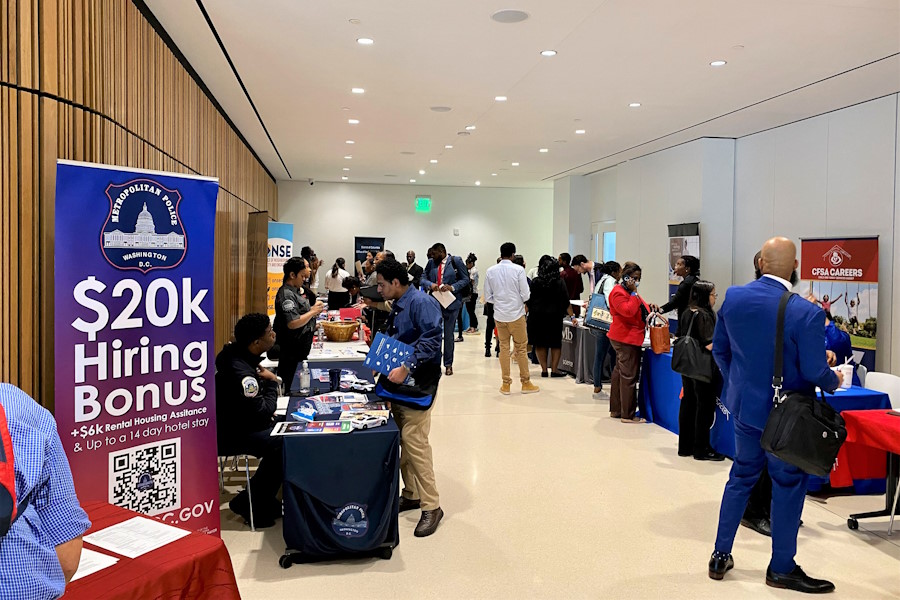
(416,463)
(519,334)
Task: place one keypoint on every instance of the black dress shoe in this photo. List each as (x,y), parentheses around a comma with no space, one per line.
(710,455)
(448,371)
(798,581)
(459,339)
(487,353)
(557,374)
(428,523)
(409,504)
(719,563)
(545,374)
(761,525)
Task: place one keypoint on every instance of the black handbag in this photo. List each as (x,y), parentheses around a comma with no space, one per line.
(801,430)
(690,358)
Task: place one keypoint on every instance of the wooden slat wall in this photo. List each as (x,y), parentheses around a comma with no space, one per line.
(91,80)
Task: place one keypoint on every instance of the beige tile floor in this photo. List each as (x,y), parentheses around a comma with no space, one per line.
(547,497)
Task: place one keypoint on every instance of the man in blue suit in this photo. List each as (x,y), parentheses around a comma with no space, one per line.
(744,351)
(447,274)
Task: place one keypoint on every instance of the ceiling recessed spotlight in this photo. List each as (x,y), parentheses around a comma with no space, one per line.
(421,171)
(353,121)
(548,53)
(449,146)
(515,164)
(358,90)
(355,21)
(634,104)
(544,150)
(345,169)
(718,63)
(348,157)
(500,98)
(433,161)
(344,178)
(412,180)
(470,128)
(477,183)
(441,108)
(462,133)
(350,142)
(509,15)
(493,174)
(365,41)
(345,108)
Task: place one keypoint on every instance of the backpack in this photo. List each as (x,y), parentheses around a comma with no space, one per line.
(10,510)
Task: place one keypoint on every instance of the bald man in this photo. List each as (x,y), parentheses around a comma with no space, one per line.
(744,351)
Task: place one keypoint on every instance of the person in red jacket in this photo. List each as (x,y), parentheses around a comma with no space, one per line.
(626,334)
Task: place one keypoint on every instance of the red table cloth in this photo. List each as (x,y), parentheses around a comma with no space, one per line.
(873,428)
(196,566)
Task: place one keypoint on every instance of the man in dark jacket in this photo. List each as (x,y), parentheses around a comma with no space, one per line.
(446,273)
(574,284)
(415,271)
(246,397)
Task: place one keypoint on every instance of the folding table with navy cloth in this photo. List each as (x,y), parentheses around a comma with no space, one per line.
(880,431)
(341,493)
(195,567)
(858,466)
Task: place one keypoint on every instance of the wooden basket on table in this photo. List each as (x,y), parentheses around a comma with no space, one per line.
(340,331)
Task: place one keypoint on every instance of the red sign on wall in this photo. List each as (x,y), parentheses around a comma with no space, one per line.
(852,259)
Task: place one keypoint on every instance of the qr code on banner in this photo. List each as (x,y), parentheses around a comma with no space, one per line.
(147,478)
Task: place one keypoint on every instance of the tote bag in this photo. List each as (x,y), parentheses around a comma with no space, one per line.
(690,358)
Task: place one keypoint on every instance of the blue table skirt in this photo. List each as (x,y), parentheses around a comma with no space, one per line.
(660,402)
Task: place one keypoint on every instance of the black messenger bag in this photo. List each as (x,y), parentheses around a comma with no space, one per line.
(801,430)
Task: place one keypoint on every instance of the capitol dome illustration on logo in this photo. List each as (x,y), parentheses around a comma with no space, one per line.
(143,230)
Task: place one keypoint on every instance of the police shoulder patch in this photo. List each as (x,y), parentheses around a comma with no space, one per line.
(251,386)
(288,305)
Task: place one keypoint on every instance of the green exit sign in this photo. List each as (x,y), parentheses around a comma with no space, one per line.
(423,204)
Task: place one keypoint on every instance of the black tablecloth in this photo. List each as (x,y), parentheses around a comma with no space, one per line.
(341,491)
(579,346)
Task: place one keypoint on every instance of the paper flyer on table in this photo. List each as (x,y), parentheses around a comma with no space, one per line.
(92,562)
(445,298)
(311,428)
(136,536)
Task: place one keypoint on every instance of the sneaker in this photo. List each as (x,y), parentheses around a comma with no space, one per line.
(504,389)
(529,388)
(634,420)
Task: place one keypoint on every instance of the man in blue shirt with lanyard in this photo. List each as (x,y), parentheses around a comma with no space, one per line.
(40,552)
(415,320)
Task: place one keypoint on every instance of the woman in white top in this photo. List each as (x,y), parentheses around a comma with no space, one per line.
(338,297)
(611,273)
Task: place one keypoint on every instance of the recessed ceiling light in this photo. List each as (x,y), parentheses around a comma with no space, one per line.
(462,133)
(412,180)
(353,121)
(355,21)
(344,178)
(508,15)
(718,63)
(441,108)
(579,131)
(421,171)
(433,161)
(470,128)
(348,157)
(345,169)
(477,183)
(358,90)
(350,142)
(500,98)
(449,146)
(634,104)
(493,174)
(365,41)
(544,150)
(515,164)
(345,108)
(548,53)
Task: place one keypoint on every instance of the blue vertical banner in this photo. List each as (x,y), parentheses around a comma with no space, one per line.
(134,339)
(281,248)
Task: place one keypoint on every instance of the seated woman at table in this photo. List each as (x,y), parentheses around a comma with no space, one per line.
(626,334)
(352,285)
(698,403)
(548,305)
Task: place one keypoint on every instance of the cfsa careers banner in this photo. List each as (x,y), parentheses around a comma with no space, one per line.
(135,397)
(281,248)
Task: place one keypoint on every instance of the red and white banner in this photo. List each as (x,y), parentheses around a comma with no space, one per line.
(832,259)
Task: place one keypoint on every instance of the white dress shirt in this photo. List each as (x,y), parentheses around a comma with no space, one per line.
(784,282)
(506,287)
(335,284)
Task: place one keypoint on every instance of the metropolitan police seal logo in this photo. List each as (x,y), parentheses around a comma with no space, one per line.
(143,230)
(351,521)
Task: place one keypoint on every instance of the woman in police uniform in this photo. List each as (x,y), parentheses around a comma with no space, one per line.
(295,319)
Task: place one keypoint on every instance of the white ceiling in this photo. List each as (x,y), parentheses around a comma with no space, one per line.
(787,60)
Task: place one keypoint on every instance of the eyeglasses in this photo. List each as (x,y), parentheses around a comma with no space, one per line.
(714,295)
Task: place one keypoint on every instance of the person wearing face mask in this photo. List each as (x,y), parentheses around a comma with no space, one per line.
(626,334)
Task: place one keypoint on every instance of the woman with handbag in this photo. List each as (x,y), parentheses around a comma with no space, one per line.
(698,402)
(611,273)
(626,334)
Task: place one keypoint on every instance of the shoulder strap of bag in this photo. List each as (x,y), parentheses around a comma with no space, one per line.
(691,324)
(778,369)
